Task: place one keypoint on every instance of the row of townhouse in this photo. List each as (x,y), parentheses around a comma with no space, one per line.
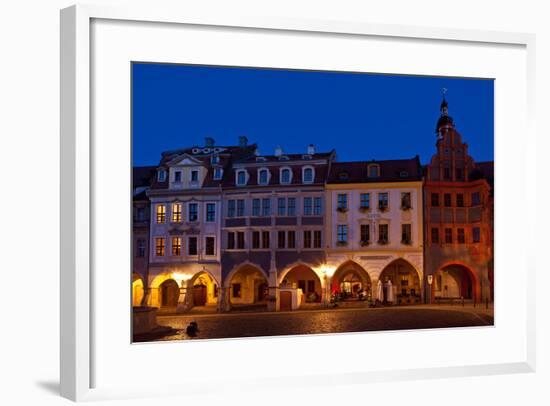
(228,227)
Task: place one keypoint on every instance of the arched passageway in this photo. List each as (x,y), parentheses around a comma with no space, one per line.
(351,282)
(137,290)
(305,279)
(168,294)
(204,290)
(248,286)
(455,282)
(400,283)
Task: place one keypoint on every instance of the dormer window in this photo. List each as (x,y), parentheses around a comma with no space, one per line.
(161,175)
(263,177)
(194,176)
(374,171)
(307,174)
(283,158)
(343,176)
(177,176)
(241,177)
(218,173)
(261,159)
(286,176)
(307,156)
(404,174)
(215,159)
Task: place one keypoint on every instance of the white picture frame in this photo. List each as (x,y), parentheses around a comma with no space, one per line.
(77,354)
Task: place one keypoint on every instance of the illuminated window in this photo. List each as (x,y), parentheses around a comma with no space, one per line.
(210,212)
(210,246)
(140,250)
(161,213)
(307,239)
(176,212)
(176,246)
(193,212)
(159,246)
(192,248)
(317,239)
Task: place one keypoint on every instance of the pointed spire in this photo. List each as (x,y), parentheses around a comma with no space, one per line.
(444,120)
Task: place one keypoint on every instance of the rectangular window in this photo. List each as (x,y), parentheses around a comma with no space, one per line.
(459,200)
(193,212)
(159,246)
(255,240)
(342,234)
(447,199)
(281,239)
(256,207)
(406,234)
(435,199)
(218,173)
(236,290)
(460,236)
(177,176)
(291,239)
(140,214)
(281,206)
(383,234)
(476,234)
(266,207)
(307,239)
(192,248)
(317,239)
(265,240)
(194,176)
(448,235)
(230,241)
(365,233)
(308,206)
(291,206)
(240,240)
(240,208)
(161,213)
(364,201)
(447,173)
(405,200)
(342,202)
(318,206)
(140,250)
(241,178)
(459,174)
(231,208)
(210,212)
(476,199)
(210,248)
(382,201)
(435,235)
(176,213)
(176,246)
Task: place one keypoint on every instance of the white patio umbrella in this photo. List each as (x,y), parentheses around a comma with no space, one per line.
(379,291)
(390,292)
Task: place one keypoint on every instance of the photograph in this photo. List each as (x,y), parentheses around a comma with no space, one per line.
(280,202)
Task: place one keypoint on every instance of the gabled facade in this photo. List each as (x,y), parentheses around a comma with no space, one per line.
(458,218)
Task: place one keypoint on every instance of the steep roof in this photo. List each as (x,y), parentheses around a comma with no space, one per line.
(395,170)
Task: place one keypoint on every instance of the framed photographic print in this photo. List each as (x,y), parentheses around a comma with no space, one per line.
(264,193)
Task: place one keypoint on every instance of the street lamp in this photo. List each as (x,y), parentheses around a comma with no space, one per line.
(430,281)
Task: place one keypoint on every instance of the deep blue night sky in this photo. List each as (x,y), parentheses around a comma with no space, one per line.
(362,116)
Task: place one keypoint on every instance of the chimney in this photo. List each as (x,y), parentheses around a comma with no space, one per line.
(278,151)
(311,149)
(209,142)
(243,141)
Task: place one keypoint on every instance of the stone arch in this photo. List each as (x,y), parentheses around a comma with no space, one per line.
(204,289)
(303,277)
(169,293)
(406,282)
(351,280)
(293,265)
(248,285)
(460,278)
(138,289)
(236,268)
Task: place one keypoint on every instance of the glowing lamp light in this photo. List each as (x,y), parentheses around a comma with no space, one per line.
(180,277)
(327,270)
